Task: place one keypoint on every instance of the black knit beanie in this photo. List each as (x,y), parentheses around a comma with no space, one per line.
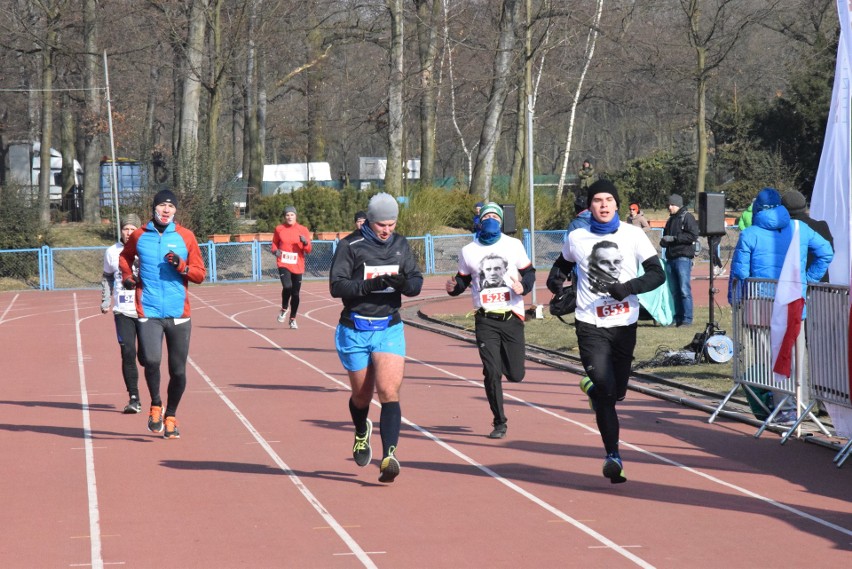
(602,187)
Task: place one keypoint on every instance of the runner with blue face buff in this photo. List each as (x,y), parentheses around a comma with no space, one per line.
(499,272)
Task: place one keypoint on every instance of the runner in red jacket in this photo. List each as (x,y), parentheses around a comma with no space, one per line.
(290,243)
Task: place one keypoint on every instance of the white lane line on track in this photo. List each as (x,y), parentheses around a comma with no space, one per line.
(350,542)
(590,430)
(8,308)
(91,483)
(452,450)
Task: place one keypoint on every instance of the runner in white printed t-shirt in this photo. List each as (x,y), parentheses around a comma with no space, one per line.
(607,256)
(503,275)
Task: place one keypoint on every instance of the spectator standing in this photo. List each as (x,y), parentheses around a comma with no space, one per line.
(123,302)
(169,259)
(636,217)
(290,243)
(679,237)
(504,275)
(477,225)
(587,176)
(797,207)
(760,253)
(607,256)
(360,218)
(582,215)
(745,218)
(372,268)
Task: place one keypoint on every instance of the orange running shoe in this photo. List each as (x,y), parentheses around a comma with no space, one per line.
(155,419)
(171,430)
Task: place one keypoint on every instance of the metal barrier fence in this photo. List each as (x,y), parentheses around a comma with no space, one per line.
(828,310)
(828,350)
(62,268)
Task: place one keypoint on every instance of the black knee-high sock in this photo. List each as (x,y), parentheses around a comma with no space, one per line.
(607,420)
(359,416)
(389,422)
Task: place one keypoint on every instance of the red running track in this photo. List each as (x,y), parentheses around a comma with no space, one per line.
(263,474)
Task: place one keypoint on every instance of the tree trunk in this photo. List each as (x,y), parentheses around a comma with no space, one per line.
(66,145)
(46,121)
(483,169)
(591,40)
(315,77)
(393,171)
(701,126)
(518,182)
(215,106)
(427,45)
(254,183)
(187,162)
(91,132)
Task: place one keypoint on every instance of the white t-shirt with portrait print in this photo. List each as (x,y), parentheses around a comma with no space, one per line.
(602,260)
(493,268)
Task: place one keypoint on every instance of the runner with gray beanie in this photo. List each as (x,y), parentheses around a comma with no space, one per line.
(123,302)
(371,270)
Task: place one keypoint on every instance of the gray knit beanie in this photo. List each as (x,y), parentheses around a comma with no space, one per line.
(382,207)
(130,219)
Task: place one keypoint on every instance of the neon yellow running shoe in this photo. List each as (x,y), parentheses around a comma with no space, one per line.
(390,467)
(361,451)
(586,385)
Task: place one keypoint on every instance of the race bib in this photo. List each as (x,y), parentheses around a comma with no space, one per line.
(289,258)
(126,301)
(494,298)
(610,312)
(371,272)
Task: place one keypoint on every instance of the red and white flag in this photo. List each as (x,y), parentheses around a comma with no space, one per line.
(787,309)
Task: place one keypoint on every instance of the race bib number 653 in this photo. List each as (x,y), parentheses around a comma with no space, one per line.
(609,310)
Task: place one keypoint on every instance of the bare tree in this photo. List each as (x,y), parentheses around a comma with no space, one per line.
(483,168)
(187,160)
(591,40)
(93,96)
(713,37)
(428,20)
(394,169)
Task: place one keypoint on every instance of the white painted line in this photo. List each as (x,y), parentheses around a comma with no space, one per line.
(8,308)
(91,483)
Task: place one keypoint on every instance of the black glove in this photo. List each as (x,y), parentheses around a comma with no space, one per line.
(376,283)
(129,283)
(396,281)
(174,260)
(620,291)
(667,239)
(303,240)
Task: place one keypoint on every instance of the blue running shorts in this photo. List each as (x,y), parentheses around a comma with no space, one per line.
(355,346)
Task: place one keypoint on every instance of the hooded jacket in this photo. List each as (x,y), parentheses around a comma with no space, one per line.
(762,246)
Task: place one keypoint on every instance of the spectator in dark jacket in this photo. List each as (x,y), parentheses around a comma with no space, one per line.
(797,206)
(678,239)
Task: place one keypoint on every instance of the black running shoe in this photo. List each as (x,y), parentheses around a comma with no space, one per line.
(614,470)
(361,451)
(133,406)
(499,431)
(389,468)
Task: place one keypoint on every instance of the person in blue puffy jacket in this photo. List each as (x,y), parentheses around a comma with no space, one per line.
(762,247)
(169,259)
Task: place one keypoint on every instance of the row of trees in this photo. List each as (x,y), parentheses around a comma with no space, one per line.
(213,87)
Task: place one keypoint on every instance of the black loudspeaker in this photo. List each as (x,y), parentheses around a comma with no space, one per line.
(711,213)
(510,224)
